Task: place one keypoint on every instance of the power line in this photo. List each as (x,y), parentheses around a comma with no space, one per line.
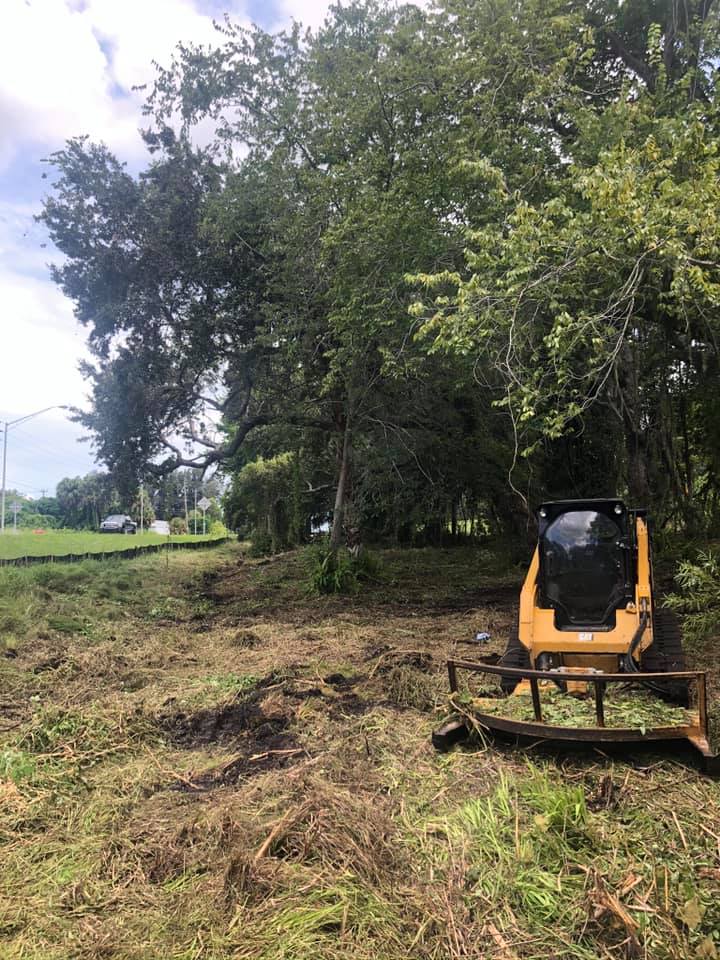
(24,486)
(41,448)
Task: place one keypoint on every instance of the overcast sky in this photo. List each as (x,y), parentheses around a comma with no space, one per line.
(67,67)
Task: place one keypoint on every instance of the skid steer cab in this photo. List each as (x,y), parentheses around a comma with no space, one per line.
(594,657)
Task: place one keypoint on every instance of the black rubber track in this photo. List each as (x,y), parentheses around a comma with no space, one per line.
(666,654)
(516,656)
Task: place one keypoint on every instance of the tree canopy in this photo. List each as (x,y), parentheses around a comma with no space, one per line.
(433,264)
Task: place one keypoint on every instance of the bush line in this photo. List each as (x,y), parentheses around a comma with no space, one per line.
(128,554)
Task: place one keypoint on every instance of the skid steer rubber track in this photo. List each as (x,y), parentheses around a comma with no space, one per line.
(516,655)
(666,655)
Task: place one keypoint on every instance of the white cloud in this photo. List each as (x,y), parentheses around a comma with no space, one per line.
(54,80)
(41,345)
(68,67)
(310,13)
(141,32)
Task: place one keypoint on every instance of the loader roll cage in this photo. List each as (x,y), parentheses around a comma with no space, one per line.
(695,731)
(587,563)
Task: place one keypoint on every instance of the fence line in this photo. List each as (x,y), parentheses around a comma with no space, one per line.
(129,554)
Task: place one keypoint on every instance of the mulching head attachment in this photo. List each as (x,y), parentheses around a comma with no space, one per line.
(538,708)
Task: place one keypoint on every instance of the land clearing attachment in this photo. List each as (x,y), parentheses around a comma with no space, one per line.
(595,659)
(538,710)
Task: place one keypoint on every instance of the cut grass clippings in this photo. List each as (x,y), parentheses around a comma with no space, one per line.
(632,708)
(197,760)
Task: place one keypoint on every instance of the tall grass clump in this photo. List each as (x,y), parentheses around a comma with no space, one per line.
(340,571)
(523,843)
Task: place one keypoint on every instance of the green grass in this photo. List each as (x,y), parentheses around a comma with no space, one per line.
(89,599)
(58,542)
(335,832)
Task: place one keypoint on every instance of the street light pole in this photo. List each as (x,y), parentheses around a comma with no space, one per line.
(2,499)
(6,427)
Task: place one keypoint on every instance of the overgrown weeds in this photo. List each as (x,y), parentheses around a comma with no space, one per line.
(340,571)
(699,597)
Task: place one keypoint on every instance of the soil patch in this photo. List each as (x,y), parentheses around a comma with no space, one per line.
(224,722)
(277,752)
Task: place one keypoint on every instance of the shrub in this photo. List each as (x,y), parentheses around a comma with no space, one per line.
(340,571)
(178,526)
(699,599)
(269,501)
(261,543)
(38,521)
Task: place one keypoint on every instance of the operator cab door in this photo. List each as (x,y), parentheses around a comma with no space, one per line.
(586,567)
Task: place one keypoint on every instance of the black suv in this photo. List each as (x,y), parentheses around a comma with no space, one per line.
(118,523)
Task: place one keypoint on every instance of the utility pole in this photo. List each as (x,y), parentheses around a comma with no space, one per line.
(2,504)
(6,426)
(141,507)
(187,522)
(195,513)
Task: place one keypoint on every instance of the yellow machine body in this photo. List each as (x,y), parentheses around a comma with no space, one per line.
(583,649)
(587,624)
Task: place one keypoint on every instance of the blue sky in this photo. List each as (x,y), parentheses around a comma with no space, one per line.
(67,67)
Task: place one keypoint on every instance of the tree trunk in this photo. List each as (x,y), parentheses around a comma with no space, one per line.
(344,479)
(635,439)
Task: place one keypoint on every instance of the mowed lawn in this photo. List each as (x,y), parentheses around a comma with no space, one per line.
(25,543)
(200,760)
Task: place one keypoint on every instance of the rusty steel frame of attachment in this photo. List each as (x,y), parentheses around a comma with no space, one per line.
(695,733)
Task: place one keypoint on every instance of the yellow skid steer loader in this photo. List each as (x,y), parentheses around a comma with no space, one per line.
(594,658)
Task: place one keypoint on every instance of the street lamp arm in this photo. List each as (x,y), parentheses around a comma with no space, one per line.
(55,406)
(8,424)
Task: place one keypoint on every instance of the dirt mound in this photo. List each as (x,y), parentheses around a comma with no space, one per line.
(222,723)
(278,752)
(260,712)
(412,659)
(246,640)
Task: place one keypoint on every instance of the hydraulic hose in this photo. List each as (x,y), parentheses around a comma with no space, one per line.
(637,637)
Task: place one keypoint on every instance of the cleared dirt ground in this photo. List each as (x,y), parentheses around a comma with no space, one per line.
(200,760)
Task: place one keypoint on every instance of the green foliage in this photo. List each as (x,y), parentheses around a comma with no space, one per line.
(53,728)
(260,503)
(233,682)
(65,624)
(261,543)
(83,502)
(17,765)
(699,597)
(178,526)
(217,529)
(631,709)
(340,571)
(532,831)
(38,520)
(542,177)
